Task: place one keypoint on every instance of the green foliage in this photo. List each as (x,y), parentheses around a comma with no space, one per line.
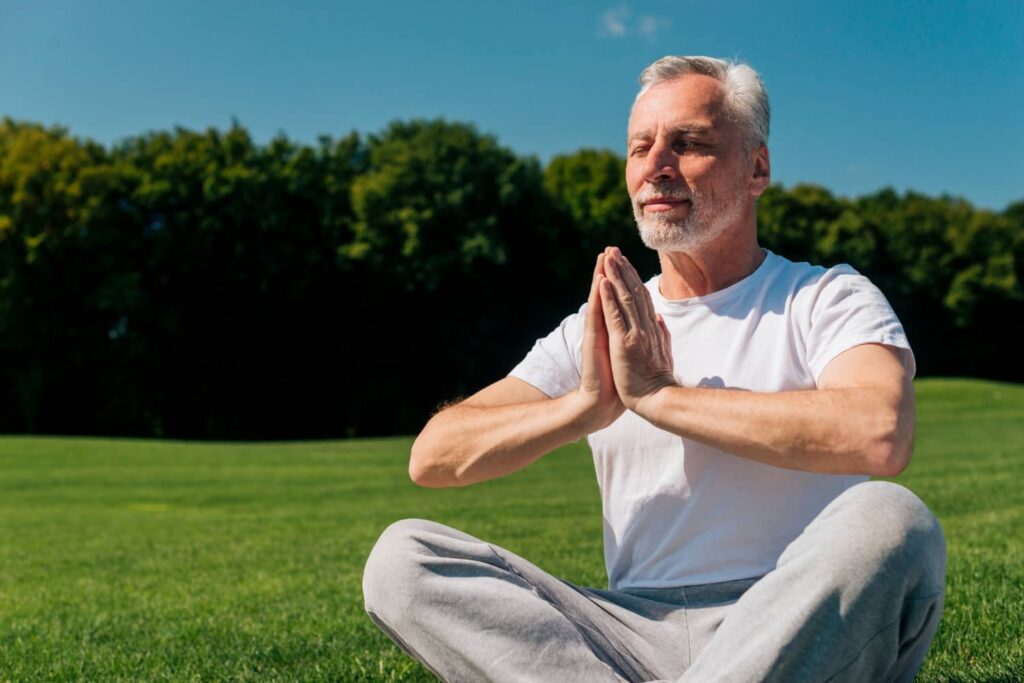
(156,560)
(803,222)
(65,261)
(198,284)
(952,272)
(588,191)
(589,186)
(435,200)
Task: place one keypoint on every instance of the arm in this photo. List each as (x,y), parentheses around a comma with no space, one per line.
(859,421)
(510,424)
(495,432)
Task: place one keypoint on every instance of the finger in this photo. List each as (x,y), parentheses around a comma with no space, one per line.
(593,325)
(629,273)
(624,296)
(666,339)
(645,303)
(594,304)
(598,271)
(663,326)
(666,336)
(633,293)
(606,261)
(613,315)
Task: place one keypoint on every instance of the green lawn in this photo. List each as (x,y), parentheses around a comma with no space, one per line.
(156,560)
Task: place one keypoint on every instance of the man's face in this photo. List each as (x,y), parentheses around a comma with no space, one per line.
(686,169)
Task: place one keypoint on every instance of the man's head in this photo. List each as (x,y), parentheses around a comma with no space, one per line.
(697,156)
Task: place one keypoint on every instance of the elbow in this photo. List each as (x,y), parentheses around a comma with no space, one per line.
(890,453)
(888,460)
(418,473)
(420,470)
(424,467)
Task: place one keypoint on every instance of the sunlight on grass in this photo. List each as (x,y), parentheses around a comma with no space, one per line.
(155,560)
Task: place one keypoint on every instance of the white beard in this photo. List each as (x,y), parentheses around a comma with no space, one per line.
(704,222)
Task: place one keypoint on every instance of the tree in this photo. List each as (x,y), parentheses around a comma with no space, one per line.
(588,191)
(65,284)
(450,238)
(199,284)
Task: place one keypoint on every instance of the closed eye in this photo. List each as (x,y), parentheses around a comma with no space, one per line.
(685,145)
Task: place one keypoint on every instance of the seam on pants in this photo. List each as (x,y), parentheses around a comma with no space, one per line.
(400,642)
(877,633)
(614,666)
(686,624)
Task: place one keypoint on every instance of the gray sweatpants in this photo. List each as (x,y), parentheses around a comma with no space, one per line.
(856,597)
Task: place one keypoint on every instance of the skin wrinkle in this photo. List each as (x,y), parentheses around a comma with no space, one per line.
(693,133)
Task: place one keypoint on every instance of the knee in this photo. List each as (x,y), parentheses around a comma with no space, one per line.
(392,570)
(891,525)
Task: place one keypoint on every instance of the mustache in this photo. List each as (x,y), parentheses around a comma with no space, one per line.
(675,192)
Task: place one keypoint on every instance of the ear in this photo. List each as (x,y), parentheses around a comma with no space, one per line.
(761,171)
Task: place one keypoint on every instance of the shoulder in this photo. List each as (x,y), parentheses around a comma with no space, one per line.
(569,332)
(781,269)
(837,308)
(812,286)
(552,365)
(574,322)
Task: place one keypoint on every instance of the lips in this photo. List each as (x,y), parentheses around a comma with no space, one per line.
(663,203)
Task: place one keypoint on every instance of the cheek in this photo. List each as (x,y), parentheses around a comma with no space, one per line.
(701,169)
(634,177)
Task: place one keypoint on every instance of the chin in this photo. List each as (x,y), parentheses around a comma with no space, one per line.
(667,237)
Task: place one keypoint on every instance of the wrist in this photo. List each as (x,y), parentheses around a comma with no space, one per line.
(591,411)
(581,414)
(651,405)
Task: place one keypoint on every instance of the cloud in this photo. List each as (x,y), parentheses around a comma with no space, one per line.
(613,21)
(619,22)
(649,26)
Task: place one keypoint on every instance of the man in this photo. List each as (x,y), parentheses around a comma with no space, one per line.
(735,406)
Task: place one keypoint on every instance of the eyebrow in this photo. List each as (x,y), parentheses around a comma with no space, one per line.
(674,131)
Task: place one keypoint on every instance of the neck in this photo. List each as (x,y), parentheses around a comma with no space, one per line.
(715,266)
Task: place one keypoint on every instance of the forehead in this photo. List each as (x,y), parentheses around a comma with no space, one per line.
(691,100)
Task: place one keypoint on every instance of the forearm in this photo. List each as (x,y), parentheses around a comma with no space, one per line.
(857,430)
(465,444)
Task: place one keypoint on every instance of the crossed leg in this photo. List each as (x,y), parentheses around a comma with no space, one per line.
(856,597)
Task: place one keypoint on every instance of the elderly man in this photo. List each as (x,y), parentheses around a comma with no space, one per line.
(735,406)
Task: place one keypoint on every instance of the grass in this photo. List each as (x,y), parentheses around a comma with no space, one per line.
(153,560)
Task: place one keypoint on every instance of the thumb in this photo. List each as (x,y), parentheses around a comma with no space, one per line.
(664,327)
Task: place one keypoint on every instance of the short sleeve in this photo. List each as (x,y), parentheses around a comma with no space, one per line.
(848,311)
(553,364)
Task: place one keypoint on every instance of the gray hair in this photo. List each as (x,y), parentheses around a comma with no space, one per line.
(745,96)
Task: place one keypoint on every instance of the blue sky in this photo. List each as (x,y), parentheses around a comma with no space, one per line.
(917,95)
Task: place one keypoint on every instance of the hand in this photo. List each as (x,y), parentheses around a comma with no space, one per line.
(639,342)
(598,398)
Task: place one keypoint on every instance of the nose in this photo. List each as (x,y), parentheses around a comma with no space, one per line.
(660,163)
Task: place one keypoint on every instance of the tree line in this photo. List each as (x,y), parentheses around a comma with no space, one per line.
(196,284)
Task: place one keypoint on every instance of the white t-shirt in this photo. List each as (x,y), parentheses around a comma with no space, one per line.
(678,512)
